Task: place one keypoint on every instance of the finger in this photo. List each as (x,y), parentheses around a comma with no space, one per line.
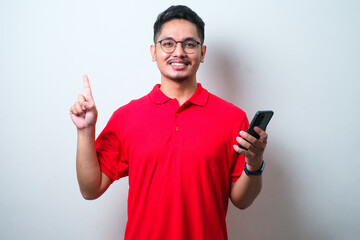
(241,151)
(263,135)
(251,143)
(238,149)
(247,136)
(81,99)
(78,108)
(74,111)
(250,150)
(87,88)
(258,146)
(85,106)
(243,143)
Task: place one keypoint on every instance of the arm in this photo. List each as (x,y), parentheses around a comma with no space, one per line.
(93,183)
(246,188)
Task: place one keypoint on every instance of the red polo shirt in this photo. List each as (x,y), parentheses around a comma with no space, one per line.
(180,162)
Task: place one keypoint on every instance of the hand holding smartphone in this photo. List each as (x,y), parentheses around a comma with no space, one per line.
(261,120)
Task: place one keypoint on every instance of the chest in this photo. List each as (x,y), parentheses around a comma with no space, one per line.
(192,137)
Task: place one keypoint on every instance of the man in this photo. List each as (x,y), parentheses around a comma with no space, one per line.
(178,145)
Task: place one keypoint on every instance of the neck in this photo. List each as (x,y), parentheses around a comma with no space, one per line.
(182,91)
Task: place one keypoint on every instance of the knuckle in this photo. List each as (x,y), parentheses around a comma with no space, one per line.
(264,135)
(77,105)
(244,143)
(81,98)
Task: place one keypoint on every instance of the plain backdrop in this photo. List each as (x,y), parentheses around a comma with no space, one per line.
(300,58)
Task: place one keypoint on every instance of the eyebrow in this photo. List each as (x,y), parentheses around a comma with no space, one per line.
(189,38)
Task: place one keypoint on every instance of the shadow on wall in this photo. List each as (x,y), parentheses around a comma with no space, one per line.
(273,214)
(219,75)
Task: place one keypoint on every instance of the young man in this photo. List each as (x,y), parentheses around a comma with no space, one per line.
(178,145)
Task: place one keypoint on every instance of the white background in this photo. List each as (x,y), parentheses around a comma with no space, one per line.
(298,58)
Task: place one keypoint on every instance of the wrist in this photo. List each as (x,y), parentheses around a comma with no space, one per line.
(253,167)
(88,131)
(258,172)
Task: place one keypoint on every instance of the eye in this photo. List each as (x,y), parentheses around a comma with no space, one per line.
(168,44)
(190,44)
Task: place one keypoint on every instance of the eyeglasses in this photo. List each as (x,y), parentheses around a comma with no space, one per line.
(169,45)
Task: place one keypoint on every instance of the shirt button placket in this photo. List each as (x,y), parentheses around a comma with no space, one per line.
(176,121)
(173,102)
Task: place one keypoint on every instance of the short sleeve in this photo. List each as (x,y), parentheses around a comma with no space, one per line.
(110,150)
(238,160)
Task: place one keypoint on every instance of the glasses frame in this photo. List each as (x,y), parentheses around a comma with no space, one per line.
(182,45)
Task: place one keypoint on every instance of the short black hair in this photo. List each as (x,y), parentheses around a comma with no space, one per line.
(179,12)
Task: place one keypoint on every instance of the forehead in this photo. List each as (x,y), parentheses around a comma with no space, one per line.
(179,29)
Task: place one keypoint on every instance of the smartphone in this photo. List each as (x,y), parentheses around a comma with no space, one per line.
(261,119)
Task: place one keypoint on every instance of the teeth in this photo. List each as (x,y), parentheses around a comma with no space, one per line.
(178,64)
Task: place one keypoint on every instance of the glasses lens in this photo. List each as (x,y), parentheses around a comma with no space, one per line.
(168,45)
(189,46)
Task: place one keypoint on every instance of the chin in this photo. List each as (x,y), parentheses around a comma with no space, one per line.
(177,78)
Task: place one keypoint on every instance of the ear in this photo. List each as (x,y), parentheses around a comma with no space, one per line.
(153,52)
(203,52)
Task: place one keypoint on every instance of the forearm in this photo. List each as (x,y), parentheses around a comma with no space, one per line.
(87,164)
(244,191)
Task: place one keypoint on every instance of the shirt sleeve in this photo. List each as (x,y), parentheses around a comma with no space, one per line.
(110,150)
(238,160)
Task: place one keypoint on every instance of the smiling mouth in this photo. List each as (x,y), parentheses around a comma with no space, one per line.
(178,64)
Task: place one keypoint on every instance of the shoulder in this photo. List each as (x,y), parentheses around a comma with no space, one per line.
(129,111)
(224,106)
(133,106)
(228,117)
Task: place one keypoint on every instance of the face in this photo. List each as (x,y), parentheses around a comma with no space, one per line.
(178,65)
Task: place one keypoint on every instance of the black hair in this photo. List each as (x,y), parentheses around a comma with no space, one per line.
(179,12)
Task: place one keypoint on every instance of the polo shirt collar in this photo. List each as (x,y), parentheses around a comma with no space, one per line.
(199,98)
(157,96)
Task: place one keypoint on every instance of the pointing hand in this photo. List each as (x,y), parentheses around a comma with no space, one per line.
(84,113)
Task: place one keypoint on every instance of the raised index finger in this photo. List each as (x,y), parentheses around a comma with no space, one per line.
(87,88)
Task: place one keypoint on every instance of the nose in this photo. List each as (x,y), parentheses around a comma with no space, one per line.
(179,51)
